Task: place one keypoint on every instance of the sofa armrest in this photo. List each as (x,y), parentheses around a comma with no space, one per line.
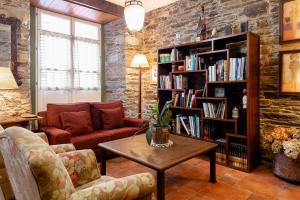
(43,136)
(42,122)
(62,148)
(81,166)
(130,187)
(136,122)
(57,136)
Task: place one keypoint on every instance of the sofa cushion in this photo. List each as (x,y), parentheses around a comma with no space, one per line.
(112,118)
(54,111)
(97,106)
(91,140)
(76,123)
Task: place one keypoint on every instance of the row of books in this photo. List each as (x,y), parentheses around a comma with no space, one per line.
(237,69)
(219,71)
(189,100)
(237,153)
(165,82)
(193,63)
(180,82)
(212,110)
(188,124)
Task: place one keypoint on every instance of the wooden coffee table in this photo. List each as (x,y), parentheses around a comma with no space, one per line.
(136,149)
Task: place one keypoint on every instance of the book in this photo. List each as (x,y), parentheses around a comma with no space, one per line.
(185,124)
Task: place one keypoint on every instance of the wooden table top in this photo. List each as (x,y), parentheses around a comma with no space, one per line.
(136,149)
(18,119)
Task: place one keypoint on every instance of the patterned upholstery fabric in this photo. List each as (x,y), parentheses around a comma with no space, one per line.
(81,165)
(43,136)
(37,172)
(62,148)
(130,187)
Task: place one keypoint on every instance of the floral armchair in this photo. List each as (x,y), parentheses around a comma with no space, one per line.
(37,172)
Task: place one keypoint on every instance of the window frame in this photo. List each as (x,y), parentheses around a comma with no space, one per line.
(72,20)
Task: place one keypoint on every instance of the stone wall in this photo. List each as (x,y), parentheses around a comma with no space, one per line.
(160,28)
(18,101)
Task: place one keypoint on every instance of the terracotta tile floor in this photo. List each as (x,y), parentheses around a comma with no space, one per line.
(189,181)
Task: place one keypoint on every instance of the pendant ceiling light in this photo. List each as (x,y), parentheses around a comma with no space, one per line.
(134,13)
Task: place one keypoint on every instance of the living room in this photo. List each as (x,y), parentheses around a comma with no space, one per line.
(161,99)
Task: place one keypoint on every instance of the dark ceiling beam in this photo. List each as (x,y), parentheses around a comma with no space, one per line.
(100,5)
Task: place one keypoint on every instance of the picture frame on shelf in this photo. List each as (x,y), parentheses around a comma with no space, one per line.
(289,72)
(289,21)
(154,72)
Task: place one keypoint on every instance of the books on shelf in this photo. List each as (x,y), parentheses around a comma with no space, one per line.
(212,110)
(218,71)
(237,69)
(165,82)
(187,101)
(188,124)
(192,62)
(180,82)
(221,150)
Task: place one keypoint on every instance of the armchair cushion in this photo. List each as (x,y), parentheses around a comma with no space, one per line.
(81,166)
(76,123)
(62,148)
(97,106)
(130,187)
(57,136)
(136,122)
(112,118)
(54,110)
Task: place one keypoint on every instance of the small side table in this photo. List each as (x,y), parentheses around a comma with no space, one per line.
(19,121)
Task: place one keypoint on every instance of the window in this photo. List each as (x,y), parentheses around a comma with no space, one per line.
(68,60)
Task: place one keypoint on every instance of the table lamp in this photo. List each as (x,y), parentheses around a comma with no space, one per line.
(7,82)
(139,61)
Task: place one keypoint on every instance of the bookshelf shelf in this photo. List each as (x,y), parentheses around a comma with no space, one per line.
(189,72)
(183,108)
(214,62)
(226,82)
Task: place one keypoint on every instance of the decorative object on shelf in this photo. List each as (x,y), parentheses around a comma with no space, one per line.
(235,113)
(201,29)
(165,57)
(134,13)
(214,32)
(158,133)
(178,39)
(181,68)
(219,92)
(285,144)
(154,74)
(228,29)
(289,64)
(289,21)
(140,61)
(244,27)
(9,28)
(245,99)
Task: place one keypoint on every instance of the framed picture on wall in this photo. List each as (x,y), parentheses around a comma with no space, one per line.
(154,74)
(289,64)
(289,21)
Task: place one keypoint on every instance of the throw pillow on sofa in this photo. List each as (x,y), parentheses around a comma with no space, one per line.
(112,118)
(76,123)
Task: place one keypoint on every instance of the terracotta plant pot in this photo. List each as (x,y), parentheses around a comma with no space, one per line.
(286,168)
(160,135)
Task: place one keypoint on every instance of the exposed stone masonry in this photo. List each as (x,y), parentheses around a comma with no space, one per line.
(18,101)
(181,17)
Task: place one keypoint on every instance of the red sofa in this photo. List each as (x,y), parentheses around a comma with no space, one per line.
(51,124)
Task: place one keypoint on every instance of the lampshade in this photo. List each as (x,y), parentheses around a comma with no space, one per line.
(139,60)
(7,80)
(134,13)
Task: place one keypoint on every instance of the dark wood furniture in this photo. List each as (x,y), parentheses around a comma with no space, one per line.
(136,149)
(243,131)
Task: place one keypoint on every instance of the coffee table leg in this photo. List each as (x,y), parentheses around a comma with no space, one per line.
(103,162)
(212,155)
(160,185)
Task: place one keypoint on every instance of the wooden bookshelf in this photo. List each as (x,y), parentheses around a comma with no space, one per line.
(243,131)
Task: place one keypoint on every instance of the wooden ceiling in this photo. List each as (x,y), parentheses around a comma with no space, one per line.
(98,11)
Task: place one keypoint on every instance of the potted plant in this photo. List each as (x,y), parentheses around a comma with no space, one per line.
(159,129)
(286,149)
